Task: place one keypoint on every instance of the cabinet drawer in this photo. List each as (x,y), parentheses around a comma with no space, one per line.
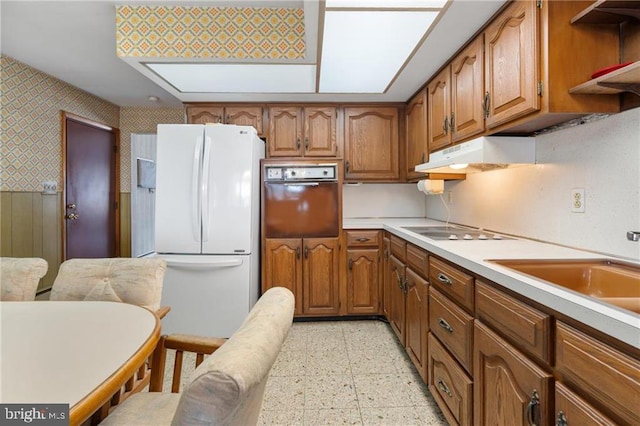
(449,384)
(417,260)
(573,410)
(363,238)
(453,326)
(525,326)
(398,248)
(454,283)
(600,371)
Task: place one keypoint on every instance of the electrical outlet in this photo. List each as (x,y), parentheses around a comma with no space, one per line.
(577,200)
(49,187)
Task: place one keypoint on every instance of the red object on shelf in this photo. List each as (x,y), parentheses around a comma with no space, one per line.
(607,70)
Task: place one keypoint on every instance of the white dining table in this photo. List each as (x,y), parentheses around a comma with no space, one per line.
(76,353)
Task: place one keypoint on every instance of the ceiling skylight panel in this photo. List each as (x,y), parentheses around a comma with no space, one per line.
(363,50)
(237,78)
(385,4)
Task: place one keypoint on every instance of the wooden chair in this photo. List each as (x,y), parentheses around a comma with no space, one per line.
(19,277)
(129,280)
(227,388)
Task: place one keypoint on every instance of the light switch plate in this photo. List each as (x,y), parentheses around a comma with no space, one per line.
(49,187)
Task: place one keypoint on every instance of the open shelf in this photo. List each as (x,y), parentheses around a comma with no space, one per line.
(625,79)
(608,12)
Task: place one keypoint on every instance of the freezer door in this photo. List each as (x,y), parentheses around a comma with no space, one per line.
(229,192)
(178,187)
(208,295)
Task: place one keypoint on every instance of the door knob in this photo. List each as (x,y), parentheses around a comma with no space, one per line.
(71,216)
(71,206)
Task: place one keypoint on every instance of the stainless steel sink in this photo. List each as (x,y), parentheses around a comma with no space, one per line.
(455,233)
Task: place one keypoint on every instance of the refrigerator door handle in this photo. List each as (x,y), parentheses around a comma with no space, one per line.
(198,264)
(195,196)
(205,189)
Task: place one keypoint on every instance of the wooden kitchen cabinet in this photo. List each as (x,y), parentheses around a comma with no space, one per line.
(609,378)
(573,410)
(417,143)
(509,389)
(244,115)
(397,314)
(417,320)
(363,272)
(309,268)
(302,131)
(283,267)
(439,110)
(386,277)
(455,99)
(371,144)
(452,282)
(449,384)
(531,63)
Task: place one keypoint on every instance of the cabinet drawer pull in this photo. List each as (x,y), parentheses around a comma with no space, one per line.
(347,166)
(444,388)
(362,239)
(350,264)
(306,144)
(298,143)
(444,324)
(533,409)
(561,420)
(298,252)
(444,279)
(445,125)
(306,252)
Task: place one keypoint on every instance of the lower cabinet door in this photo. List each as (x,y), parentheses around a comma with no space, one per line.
(449,384)
(283,267)
(363,276)
(416,320)
(573,410)
(509,388)
(320,288)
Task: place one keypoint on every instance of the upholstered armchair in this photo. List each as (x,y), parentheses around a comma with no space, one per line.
(137,281)
(227,388)
(19,277)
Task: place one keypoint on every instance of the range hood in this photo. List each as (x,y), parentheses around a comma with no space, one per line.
(482,154)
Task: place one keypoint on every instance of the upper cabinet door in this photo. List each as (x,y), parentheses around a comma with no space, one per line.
(511,64)
(285,132)
(244,116)
(205,115)
(371,143)
(439,110)
(467,92)
(417,149)
(320,131)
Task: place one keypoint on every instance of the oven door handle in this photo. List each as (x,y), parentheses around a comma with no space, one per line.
(302,184)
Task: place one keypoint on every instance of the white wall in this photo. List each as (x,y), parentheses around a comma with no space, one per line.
(601,156)
(382,200)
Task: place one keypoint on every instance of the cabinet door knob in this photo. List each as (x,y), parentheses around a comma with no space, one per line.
(227,119)
(561,420)
(533,409)
(306,144)
(298,143)
(347,166)
(298,252)
(350,264)
(452,122)
(71,206)
(306,252)
(485,104)
(445,125)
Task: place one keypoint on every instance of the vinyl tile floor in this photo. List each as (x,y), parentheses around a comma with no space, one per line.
(343,373)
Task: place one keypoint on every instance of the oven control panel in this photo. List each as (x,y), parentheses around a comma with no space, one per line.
(289,173)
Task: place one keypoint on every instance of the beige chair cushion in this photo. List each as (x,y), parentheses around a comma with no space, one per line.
(228,387)
(231,381)
(129,280)
(144,409)
(19,277)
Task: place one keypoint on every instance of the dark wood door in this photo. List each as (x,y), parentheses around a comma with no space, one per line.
(439,110)
(417,149)
(285,132)
(467,91)
(320,131)
(91,188)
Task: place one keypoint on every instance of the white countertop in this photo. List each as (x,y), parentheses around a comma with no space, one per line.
(622,324)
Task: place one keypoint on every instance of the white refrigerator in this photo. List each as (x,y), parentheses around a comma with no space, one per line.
(207,225)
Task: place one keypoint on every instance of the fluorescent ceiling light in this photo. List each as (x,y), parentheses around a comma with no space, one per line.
(362,51)
(237,78)
(384,4)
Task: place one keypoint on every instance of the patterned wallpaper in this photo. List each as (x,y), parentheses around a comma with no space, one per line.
(141,120)
(210,32)
(31,104)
